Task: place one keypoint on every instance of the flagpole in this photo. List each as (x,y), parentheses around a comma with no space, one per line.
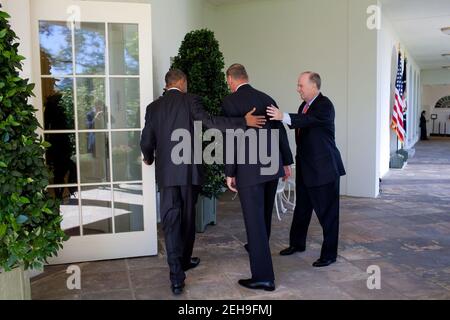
(397,142)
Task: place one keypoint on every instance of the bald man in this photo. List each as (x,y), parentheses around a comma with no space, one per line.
(318,168)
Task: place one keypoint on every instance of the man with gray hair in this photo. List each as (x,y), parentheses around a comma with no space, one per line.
(256,186)
(179,184)
(319,168)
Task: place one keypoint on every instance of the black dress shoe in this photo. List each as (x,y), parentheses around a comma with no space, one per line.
(192,264)
(246,247)
(323,263)
(177,288)
(263,285)
(291,250)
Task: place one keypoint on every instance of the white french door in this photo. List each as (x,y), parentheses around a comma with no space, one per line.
(93,68)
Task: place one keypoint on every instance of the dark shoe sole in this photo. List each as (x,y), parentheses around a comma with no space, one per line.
(269,289)
(320,265)
(265,288)
(291,253)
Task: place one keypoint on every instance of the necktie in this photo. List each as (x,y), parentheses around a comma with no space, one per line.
(304,111)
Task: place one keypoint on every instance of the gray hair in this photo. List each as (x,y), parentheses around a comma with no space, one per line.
(314,77)
(237,71)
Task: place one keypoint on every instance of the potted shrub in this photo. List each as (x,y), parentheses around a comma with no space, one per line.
(30,229)
(200,58)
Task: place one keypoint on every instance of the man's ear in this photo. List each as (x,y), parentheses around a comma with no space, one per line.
(185,85)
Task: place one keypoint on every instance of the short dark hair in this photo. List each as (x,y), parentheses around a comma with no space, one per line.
(237,71)
(314,77)
(174,75)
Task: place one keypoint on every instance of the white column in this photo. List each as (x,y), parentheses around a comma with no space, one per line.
(363,115)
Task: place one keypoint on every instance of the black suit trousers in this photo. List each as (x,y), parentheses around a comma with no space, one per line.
(257,206)
(324,200)
(178,221)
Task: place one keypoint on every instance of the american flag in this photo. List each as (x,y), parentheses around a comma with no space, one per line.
(399,103)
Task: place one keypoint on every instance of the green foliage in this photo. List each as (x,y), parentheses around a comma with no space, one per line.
(200,58)
(30,229)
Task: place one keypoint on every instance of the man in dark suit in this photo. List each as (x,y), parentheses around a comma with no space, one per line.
(256,187)
(179,184)
(423,126)
(318,168)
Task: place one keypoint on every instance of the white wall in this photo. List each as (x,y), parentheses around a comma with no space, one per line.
(171,20)
(276,40)
(388,42)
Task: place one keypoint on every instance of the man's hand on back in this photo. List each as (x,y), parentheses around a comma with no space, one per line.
(255,121)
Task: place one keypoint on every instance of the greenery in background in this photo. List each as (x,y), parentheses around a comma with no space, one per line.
(30,229)
(200,58)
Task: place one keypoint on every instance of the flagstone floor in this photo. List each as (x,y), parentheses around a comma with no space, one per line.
(406,232)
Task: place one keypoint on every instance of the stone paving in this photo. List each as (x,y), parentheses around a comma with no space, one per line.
(406,232)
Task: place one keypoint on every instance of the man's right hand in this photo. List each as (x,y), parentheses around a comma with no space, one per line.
(147,162)
(255,121)
(231,183)
(274,113)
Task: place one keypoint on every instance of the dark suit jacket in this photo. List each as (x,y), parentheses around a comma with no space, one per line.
(237,105)
(318,158)
(177,110)
(423,122)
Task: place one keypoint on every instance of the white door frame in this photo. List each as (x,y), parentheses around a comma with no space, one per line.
(118,245)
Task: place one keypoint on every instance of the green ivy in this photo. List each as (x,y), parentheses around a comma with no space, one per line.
(30,229)
(200,58)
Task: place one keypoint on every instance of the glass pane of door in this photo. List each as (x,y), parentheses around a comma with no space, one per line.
(123,48)
(96,210)
(125,115)
(57,95)
(90,48)
(55,48)
(95,148)
(128,207)
(125,103)
(92,106)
